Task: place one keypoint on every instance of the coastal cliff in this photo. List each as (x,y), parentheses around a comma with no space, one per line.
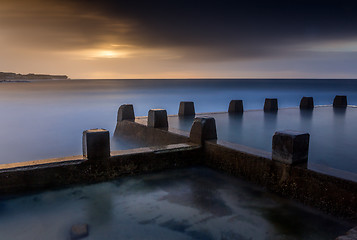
(9,76)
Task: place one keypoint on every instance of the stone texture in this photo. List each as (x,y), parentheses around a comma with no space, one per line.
(96,144)
(307,103)
(235,106)
(157,118)
(79,231)
(126,112)
(290,147)
(271,105)
(186,109)
(340,101)
(203,128)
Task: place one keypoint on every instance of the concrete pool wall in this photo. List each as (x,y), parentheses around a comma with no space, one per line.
(174,149)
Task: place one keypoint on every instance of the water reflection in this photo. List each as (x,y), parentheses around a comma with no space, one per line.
(185,122)
(270,120)
(339,112)
(235,124)
(306,114)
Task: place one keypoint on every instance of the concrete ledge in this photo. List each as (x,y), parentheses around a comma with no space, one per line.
(327,193)
(42,163)
(25,177)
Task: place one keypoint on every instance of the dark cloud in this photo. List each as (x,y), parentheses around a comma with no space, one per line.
(215,23)
(198,30)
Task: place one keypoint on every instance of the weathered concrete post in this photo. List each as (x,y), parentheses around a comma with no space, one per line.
(186,109)
(96,144)
(290,147)
(235,106)
(271,105)
(340,101)
(157,118)
(203,128)
(307,103)
(126,112)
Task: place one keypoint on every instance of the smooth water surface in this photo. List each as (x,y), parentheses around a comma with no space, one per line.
(333,134)
(46,119)
(195,203)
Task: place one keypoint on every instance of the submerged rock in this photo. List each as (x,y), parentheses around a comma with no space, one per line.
(79,231)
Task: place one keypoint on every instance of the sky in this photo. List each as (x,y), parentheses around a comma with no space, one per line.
(179,38)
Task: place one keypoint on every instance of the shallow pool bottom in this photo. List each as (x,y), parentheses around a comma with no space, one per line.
(195,203)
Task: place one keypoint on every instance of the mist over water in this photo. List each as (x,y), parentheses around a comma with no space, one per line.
(195,203)
(46,119)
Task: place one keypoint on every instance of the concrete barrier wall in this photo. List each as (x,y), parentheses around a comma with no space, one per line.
(147,135)
(330,194)
(19,178)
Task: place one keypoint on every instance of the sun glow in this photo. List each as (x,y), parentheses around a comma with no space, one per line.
(109,54)
(91,54)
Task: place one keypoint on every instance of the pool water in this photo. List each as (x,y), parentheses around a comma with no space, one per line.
(333,133)
(194,203)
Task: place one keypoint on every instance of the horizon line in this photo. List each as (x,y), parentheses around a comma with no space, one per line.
(240,78)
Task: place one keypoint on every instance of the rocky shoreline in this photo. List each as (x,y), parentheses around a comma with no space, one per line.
(16,77)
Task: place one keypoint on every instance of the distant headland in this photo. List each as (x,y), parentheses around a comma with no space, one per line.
(16,77)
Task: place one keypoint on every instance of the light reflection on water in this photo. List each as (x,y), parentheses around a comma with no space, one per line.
(46,119)
(195,203)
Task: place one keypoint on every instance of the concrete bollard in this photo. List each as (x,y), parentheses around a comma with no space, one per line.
(203,128)
(307,103)
(157,118)
(290,147)
(126,112)
(271,105)
(96,144)
(340,101)
(186,109)
(235,106)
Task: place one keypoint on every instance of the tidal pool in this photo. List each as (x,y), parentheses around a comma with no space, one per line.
(194,203)
(333,133)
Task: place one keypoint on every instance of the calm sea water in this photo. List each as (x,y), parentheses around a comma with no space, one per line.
(46,119)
